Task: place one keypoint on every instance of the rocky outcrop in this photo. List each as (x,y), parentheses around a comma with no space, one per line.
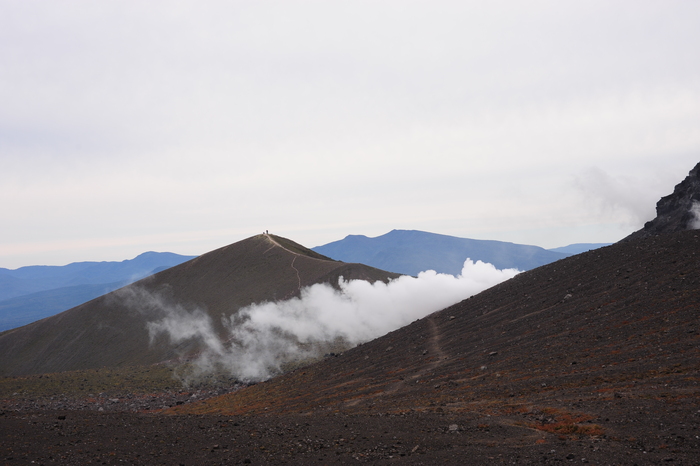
(676,212)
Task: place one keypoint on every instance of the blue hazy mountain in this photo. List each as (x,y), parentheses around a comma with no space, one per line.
(35,278)
(411,251)
(22,310)
(578,248)
(34,292)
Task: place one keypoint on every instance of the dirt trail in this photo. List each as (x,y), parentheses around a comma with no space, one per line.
(297,271)
(435,342)
(275,243)
(296,254)
(439,356)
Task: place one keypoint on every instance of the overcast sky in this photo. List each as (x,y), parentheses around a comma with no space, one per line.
(128,126)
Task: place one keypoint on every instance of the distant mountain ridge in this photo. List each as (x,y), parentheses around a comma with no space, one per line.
(22,310)
(34,292)
(34,278)
(412,251)
(578,248)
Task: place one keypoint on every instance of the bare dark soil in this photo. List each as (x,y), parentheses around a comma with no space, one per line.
(70,437)
(594,359)
(131,389)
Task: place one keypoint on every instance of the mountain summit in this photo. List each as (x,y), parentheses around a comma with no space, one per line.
(678,211)
(113,330)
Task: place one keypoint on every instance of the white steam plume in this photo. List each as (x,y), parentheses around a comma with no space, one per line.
(695,210)
(264,338)
(624,199)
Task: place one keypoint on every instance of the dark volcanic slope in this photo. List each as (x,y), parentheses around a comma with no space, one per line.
(591,334)
(111,330)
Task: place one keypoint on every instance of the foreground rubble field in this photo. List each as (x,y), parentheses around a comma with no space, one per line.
(84,437)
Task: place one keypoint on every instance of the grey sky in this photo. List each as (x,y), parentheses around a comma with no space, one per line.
(184,126)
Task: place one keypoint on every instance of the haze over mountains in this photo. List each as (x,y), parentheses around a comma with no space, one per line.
(34,292)
(410,251)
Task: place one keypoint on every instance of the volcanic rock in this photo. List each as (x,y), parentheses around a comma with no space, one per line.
(678,211)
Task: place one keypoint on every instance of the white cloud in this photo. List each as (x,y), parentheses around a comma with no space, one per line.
(628,199)
(263,338)
(695,210)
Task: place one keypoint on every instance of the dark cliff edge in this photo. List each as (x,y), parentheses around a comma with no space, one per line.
(678,211)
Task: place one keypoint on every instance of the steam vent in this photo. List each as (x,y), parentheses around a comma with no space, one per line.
(674,212)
